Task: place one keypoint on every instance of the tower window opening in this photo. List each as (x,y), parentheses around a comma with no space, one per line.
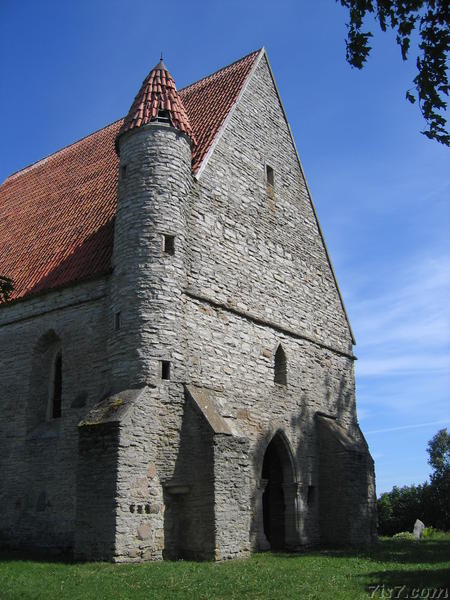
(165,369)
(169,244)
(270,178)
(163,116)
(123,171)
(56,395)
(117,321)
(280,375)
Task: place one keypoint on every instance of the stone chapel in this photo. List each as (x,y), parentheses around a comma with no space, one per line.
(177,365)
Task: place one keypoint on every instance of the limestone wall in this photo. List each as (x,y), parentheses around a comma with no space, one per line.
(259,276)
(38,456)
(235,357)
(147,281)
(259,248)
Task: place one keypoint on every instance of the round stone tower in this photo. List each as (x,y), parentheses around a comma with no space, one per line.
(154,145)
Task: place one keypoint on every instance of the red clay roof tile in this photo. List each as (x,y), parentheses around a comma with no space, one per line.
(57,216)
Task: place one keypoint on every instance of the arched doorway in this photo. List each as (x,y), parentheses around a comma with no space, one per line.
(279,497)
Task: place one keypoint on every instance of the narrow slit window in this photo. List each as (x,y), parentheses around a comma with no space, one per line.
(280,366)
(270,178)
(165,369)
(311,495)
(57,388)
(169,244)
(117,321)
(123,171)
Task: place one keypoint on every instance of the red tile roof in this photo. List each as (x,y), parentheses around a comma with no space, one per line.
(57,216)
(158,92)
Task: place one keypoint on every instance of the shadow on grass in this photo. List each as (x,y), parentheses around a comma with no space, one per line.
(13,555)
(384,551)
(398,551)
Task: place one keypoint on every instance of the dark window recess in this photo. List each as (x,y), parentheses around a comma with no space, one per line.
(57,388)
(169,244)
(163,116)
(123,171)
(270,176)
(280,366)
(165,369)
(311,494)
(117,321)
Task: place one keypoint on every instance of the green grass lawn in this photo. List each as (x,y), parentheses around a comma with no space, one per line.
(423,568)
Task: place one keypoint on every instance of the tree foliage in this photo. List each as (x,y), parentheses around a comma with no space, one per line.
(399,509)
(439,459)
(429,502)
(6,287)
(431,19)
(439,453)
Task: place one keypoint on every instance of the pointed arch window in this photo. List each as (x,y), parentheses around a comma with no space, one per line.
(280,367)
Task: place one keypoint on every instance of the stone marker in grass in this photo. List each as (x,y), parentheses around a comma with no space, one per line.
(418,529)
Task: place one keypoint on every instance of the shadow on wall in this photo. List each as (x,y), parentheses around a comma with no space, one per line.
(189,525)
(347,502)
(43,516)
(95,524)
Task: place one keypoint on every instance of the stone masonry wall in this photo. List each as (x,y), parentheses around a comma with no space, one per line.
(257,249)
(345,472)
(231,497)
(146,283)
(235,357)
(96,491)
(258,275)
(38,457)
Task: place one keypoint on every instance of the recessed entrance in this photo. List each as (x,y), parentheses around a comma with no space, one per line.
(273,499)
(279,496)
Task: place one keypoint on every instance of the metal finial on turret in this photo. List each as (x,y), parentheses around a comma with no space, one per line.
(161,64)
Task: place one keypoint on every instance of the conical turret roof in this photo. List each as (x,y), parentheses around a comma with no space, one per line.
(158,93)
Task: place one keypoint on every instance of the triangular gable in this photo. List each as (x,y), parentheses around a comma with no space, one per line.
(263,55)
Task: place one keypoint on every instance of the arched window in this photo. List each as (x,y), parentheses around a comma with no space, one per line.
(280,375)
(45,392)
(56,388)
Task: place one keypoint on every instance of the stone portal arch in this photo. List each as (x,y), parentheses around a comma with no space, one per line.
(277,497)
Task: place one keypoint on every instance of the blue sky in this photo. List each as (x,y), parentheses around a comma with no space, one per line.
(380,187)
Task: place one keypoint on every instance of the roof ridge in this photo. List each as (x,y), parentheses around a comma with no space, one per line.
(218,70)
(45,158)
